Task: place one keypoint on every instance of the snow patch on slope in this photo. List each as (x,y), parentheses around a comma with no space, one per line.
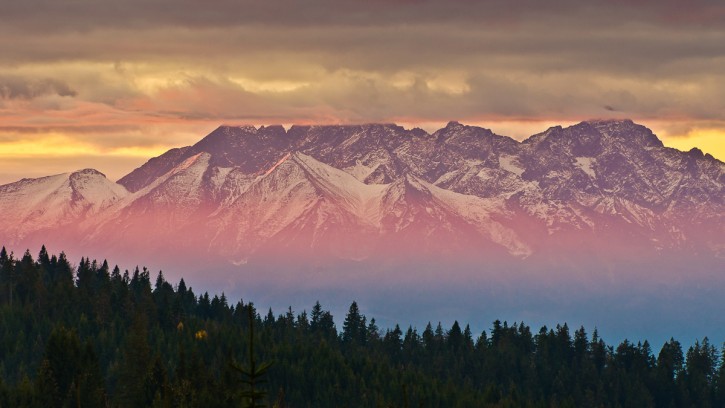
(586,164)
(359,198)
(478,211)
(509,163)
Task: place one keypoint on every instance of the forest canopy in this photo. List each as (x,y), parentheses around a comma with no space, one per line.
(90,335)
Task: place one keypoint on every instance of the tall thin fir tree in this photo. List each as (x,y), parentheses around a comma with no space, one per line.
(253,375)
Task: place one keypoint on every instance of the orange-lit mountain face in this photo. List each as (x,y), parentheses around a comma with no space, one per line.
(595,192)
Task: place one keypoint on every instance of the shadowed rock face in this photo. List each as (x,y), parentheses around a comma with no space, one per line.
(599,189)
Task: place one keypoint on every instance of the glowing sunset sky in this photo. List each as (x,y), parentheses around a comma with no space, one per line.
(108,84)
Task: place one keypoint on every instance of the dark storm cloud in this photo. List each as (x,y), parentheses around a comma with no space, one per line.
(51,15)
(12,87)
(576,40)
(135,63)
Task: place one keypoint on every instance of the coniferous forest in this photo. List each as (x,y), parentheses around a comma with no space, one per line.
(94,336)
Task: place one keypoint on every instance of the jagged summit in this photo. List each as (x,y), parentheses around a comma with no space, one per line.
(89,171)
(600,188)
(453,125)
(591,138)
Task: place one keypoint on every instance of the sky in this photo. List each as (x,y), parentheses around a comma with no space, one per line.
(109,84)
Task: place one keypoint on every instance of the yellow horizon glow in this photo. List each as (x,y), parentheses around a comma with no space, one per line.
(58,145)
(710,141)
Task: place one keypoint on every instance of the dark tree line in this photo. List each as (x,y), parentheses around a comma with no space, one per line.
(92,336)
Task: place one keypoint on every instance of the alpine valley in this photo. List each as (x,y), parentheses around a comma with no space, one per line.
(380,203)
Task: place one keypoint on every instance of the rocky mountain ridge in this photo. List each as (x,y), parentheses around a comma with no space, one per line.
(598,188)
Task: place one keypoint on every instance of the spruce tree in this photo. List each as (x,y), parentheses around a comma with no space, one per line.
(254,374)
(353,325)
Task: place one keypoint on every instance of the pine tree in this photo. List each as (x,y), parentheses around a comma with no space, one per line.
(254,374)
(455,337)
(373,331)
(428,338)
(468,338)
(315,317)
(44,263)
(135,364)
(669,368)
(353,327)
(29,284)
(156,383)
(701,368)
(7,274)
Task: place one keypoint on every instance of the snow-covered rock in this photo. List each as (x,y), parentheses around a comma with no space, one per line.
(365,191)
(55,201)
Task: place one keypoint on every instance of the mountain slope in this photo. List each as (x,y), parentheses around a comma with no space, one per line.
(54,202)
(596,190)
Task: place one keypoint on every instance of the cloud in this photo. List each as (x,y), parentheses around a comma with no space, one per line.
(88,15)
(115,76)
(22,88)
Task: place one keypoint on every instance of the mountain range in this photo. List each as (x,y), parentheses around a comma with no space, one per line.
(594,191)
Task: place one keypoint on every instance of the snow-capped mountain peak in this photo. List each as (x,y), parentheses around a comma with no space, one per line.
(31,205)
(361,192)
